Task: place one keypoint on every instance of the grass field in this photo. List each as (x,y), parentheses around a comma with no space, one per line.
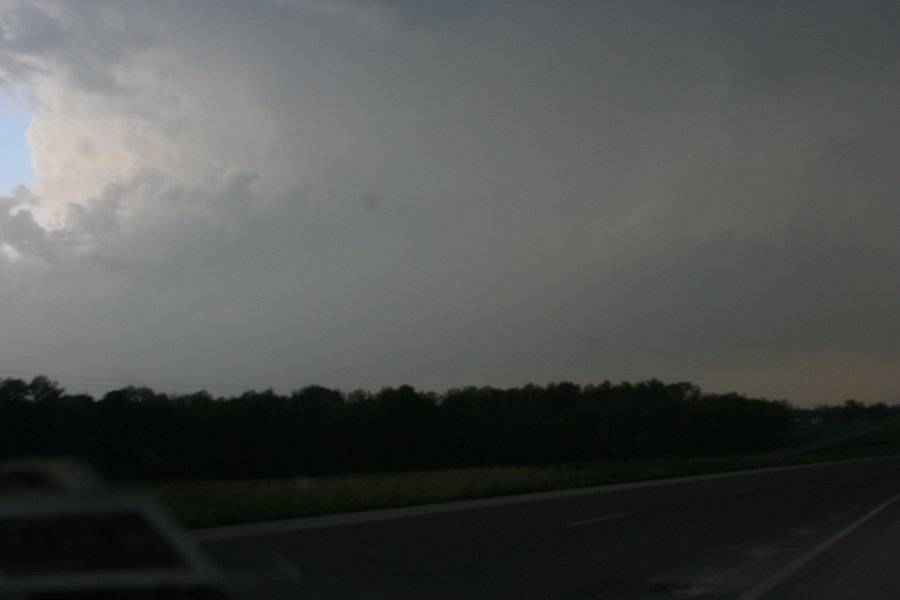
(210,503)
(883,442)
(804,433)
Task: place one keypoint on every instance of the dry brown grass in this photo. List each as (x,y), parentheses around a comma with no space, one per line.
(214,503)
(210,503)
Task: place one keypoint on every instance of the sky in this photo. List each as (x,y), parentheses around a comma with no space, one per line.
(233,194)
(15,157)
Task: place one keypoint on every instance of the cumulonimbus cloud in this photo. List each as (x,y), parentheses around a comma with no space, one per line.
(365,194)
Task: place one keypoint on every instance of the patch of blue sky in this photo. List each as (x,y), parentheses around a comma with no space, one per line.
(15,155)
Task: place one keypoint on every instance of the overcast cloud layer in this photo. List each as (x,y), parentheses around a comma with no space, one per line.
(240,194)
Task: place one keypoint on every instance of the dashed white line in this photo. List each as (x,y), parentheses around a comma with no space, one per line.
(596,520)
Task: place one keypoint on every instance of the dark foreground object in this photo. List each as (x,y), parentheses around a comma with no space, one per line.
(63,536)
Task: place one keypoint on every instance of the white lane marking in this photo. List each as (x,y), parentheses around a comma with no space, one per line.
(597,520)
(746,490)
(767,585)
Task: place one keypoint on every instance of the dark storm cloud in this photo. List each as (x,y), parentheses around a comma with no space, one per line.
(371,193)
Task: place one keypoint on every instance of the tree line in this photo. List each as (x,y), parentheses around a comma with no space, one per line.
(136,433)
(848,411)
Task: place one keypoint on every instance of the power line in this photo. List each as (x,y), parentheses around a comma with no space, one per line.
(98,384)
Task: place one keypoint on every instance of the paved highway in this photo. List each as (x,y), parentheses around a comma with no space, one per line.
(822,531)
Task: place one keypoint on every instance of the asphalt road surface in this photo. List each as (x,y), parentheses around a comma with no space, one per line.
(823,531)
